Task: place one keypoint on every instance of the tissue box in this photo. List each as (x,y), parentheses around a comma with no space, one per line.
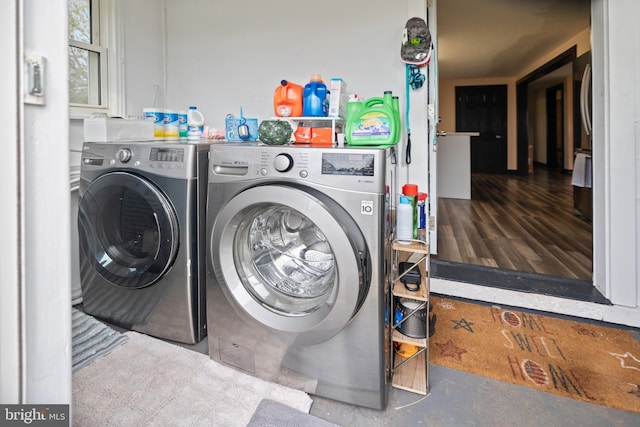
(337,98)
(117,130)
(231,128)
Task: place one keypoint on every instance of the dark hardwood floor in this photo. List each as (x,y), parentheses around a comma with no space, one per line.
(521,223)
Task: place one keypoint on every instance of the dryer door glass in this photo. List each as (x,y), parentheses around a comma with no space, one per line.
(128,229)
(290,259)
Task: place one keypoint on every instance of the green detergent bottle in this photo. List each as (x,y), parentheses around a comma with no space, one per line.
(373,122)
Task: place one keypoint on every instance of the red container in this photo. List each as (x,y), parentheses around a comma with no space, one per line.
(287,99)
(314,136)
(410,190)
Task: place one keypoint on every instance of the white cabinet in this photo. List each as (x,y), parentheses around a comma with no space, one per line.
(454,165)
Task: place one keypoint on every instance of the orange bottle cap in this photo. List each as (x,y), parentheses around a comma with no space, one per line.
(410,190)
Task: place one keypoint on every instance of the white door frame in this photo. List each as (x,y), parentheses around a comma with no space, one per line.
(12,371)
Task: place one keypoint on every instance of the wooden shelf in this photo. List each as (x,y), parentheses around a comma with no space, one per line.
(398,336)
(400,290)
(414,245)
(411,376)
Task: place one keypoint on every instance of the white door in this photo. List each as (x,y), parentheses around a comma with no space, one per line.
(432,115)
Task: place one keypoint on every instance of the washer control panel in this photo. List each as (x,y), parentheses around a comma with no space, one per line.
(361,169)
(283,162)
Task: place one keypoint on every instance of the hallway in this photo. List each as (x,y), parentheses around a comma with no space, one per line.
(522,223)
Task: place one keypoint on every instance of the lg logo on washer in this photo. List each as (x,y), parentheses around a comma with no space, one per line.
(366,207)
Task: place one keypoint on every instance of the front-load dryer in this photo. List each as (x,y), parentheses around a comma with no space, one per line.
(297,270)
(140,214)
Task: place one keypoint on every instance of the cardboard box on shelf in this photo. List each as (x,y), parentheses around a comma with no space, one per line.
(103,129)
(337,98)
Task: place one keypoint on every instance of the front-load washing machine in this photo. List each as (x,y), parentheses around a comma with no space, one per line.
(297,266)
(140,214)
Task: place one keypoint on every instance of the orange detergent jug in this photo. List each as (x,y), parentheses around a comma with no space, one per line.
(287,100)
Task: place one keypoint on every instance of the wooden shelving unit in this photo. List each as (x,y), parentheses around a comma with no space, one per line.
(412,373)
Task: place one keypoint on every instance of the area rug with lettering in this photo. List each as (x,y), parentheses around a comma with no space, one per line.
(582,360)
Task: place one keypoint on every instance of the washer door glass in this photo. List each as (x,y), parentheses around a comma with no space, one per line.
(284,260)
(128,229)
(287,260)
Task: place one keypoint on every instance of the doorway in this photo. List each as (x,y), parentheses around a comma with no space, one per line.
(555,126)
(483,109)
(519,230)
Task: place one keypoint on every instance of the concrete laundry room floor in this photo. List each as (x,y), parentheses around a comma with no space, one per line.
(458,398)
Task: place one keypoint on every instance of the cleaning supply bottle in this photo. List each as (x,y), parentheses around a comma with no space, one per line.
(411,191)
(404,220)
(422,214)
(195,124)
(374,123)
(314,100)
(171,128)
(183,130)
(287,99)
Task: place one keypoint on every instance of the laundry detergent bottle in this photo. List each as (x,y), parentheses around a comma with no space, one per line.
(314,101)
(287,99)
(374,123)
(195,124)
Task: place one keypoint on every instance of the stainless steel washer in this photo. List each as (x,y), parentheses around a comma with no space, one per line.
(140,214)
(296,280)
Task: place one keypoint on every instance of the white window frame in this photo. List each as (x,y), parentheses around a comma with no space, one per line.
(108,43)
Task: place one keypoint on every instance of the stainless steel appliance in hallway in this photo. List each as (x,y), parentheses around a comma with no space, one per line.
(582,165)
(297,266)
(141,212)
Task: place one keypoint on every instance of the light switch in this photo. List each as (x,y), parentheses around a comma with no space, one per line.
(34,66)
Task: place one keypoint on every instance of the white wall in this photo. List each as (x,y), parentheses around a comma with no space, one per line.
(223,57)
(144,59)
(234,55)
